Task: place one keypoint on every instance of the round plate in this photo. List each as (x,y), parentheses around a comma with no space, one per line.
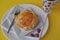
(15,32)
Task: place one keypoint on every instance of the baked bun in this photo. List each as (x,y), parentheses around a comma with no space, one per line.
(26,20)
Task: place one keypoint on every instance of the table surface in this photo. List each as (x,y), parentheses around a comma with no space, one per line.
(53,32)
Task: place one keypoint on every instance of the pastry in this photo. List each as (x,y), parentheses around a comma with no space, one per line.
(26,20)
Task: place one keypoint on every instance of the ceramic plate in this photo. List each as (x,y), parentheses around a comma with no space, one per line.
(16,33)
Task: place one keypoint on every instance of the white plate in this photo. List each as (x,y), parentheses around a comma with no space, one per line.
(16,33)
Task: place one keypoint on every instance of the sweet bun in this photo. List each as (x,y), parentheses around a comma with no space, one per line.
(26,20)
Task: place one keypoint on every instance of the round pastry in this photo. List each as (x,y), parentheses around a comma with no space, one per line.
(26,20)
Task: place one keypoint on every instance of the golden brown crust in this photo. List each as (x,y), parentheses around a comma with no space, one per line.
(26,20)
